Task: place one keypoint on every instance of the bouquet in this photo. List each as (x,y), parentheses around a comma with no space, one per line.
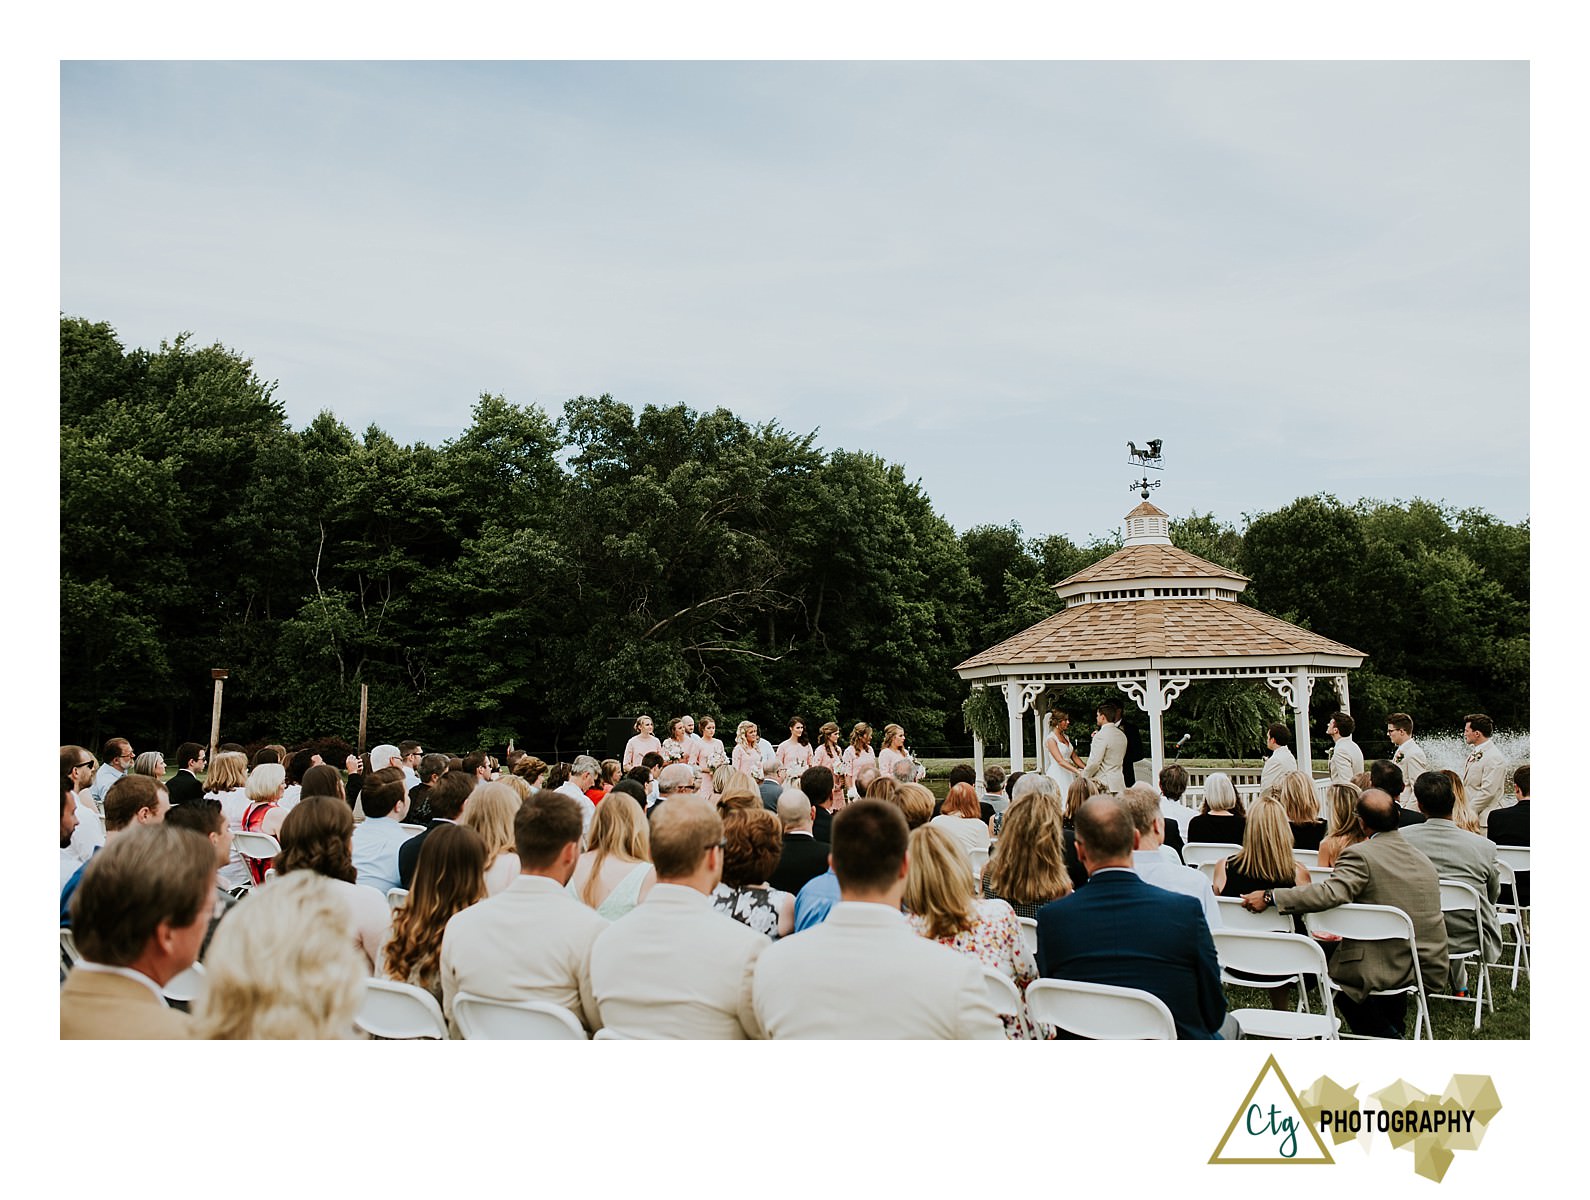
(673,751)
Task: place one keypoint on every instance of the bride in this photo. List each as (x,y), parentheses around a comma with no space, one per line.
(1064,765)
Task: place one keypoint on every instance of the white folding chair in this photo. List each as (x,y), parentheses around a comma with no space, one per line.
(185,988)
(1003,992)
(1511,917)
(1099,1011)
(411,827)
(480,1017)
(1286,955)
(395,897)
(1516,860)
(1029,934)
(1196,854)
(1377,923)
(1309,859)
(396,1010)
(979,861)
(69,950)
(1457,896)
(1271,920)
(257,846)
(604,1034)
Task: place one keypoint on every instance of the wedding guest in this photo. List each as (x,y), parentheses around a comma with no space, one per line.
(1222,817)
(615,874)
(962,819)
(1028,867)
(753,841)
(1302,810)
(1341,801)
(151,763)
(264,812)
(492,808)
(450,876)
(226,785)
(379,837)
(317,837)
(1463,815)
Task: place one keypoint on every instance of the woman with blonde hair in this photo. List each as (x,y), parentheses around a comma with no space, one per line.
(915,801)
(1341,801)
(225,783)
(490,813)
(264,813)
(736,789)
(1263,864)
(747,757)
(1221,818)
(449,877)
(283,966)
(317,836)
(962,819)
(941,903)
(1462,813)
(894,752)
(615,874)
(1302,809)
(642,744)
(859,755)
(1028,868)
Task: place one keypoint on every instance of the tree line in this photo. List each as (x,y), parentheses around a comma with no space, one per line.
(534,576)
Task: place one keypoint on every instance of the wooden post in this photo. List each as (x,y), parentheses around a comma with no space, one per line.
(219,676)
(364,713)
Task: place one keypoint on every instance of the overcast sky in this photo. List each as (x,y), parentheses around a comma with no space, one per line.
(1302,276)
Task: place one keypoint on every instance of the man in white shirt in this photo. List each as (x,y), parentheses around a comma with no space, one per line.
(582,776)
(1346,758)
(1485,772)
(1173,781)
(1157,863)
(533,941)
(115,760)
(377,838)
(1409,757)
(1281,761)
(673,967)
(88,834)
(863,973)
(69,861)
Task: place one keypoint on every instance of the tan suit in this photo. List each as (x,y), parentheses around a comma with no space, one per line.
(675,967)
(531,942)
(1485,779)
(101,1004)
(1346,760)
(1384,870)
(863,973)
(1281,762)
(1105,757)
(1410,759)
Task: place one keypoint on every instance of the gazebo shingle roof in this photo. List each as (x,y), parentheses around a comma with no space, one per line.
(1150,562)
(1182,627)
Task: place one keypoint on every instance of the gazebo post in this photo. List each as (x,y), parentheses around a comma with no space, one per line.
(1305,757)
(1039,750)
(977,757)
(1155,707)
(1018,755)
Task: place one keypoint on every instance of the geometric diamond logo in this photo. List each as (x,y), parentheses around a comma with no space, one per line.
(1269,1126)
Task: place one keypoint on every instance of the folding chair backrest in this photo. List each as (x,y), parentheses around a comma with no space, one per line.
(69,947)
(1099,1011)
(979,861)
(1002,991)
(395,897)
(514,1020)
(1234,916)
(1268,953)
(1457,896)
(1029,934)
(411,827)
(1516,857)
(255,845)
(1309,859)
(400,1010)
(185,988)
(1362,922)
(1196,854)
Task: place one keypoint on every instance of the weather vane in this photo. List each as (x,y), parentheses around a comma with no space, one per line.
(1148,458)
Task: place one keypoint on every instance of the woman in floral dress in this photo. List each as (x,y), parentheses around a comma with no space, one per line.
(753,841)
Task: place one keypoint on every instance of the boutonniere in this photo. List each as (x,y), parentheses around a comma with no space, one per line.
(1475,755)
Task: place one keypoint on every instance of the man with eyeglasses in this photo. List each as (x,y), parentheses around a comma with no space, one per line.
(410,752)
(184,786)
(77,773)
(116,759)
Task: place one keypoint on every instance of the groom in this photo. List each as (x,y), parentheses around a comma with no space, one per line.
(1108,752)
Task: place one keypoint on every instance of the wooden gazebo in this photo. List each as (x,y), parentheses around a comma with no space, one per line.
(1152,619)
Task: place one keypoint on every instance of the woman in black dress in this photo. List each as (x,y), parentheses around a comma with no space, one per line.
(1296,794)
(1221,818)
(1263,864)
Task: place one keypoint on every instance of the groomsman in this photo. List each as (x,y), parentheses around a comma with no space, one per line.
(1485,772)
(1409,758)
(1281,761)
(1346,758)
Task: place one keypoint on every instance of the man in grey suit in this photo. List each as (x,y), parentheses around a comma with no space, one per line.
(1485,772)
(1409,757)
(1346,758)
(1460,855)
(1384,869)
(1108,752)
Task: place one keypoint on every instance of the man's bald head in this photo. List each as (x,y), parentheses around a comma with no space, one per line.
(794,809)
(1377,810)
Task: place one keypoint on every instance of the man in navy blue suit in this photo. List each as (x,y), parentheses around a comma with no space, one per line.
(1121,931)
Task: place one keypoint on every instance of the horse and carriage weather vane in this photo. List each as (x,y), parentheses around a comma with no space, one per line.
(1149,459)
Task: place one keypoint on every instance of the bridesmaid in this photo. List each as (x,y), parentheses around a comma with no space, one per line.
(676,746)
(893,750)
(642,744)
(794,752)
(747,755)
(859,755)
(828,754)
(710,754)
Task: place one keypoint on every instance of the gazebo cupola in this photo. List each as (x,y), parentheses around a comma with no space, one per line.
(1152,619)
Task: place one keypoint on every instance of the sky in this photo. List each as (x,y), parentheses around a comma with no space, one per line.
(1302,276)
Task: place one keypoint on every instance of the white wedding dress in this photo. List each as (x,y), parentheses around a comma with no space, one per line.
(1059,749)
